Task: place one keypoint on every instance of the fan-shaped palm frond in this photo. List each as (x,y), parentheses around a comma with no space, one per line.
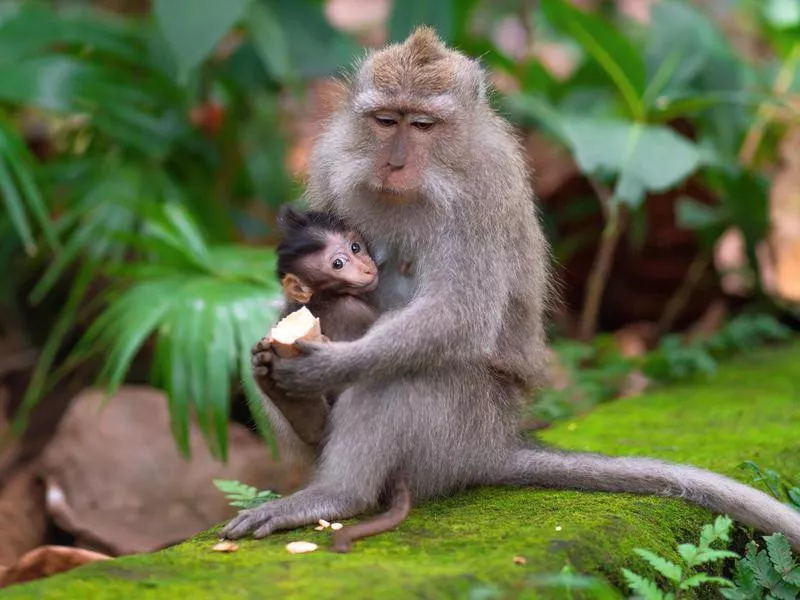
(203,307)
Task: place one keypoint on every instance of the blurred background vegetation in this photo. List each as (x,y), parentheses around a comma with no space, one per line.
(146,145)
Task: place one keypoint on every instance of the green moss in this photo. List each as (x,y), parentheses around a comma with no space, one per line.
(448,548)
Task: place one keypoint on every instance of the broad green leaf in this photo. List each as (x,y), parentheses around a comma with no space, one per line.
(762,568)
(784,591)
(681,39)
(780,553)
(645,588)
(782,14)
(409,14)
(645,158)
(609,48)
(316,49)
(666,567)
(793,577)
(269,40)
(688,552)
(693,215)
(700,578)
(711,555)
(193,28)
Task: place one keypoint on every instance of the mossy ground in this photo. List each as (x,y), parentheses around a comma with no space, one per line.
(455,547)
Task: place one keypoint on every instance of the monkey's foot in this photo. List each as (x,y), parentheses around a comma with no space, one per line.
(301,508)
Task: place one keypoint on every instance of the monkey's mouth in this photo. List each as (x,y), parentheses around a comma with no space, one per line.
(370,286)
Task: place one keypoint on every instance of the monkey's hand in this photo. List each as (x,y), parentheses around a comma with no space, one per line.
(261,358)
(320,368)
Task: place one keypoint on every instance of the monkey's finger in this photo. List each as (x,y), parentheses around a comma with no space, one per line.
(240,526)
(261,359)
(260,371)
(263,345)
(278,523)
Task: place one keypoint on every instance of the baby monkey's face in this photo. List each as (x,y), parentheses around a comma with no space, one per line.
(346,263)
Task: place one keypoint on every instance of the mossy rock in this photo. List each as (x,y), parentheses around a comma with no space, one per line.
(463,547)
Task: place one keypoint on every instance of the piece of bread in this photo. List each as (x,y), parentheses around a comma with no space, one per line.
(299,325)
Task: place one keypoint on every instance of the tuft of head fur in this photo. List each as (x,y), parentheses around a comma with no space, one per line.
(303,234)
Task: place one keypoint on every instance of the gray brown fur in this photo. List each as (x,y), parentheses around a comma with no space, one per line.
(420,390)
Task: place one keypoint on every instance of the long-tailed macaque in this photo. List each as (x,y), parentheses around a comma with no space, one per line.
(416,160)
(325,266)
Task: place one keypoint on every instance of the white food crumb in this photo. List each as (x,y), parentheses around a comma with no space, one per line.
(558,527)
(300,547)
(336,526)
(324,523)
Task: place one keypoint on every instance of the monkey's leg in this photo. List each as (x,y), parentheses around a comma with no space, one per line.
(353,470)
(307,417)
(594,472)
(399,507)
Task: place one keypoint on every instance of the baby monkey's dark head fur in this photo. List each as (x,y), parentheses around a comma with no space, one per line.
(318,253)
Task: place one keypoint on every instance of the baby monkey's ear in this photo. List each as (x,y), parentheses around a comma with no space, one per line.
(295,290)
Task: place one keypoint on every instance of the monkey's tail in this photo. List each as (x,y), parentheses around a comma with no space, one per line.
(545,467)
(400,506)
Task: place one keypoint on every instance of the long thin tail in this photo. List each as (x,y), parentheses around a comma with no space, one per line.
(400,506)
(544,467)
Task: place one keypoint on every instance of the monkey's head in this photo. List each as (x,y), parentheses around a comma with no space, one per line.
(411,108)
(318,253)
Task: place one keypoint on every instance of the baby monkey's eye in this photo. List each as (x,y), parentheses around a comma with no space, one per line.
(355,247)
(337,264)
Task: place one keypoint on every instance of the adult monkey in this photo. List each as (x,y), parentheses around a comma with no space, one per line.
(418,161)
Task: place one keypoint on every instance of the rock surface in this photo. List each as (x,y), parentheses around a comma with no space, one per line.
(465,546)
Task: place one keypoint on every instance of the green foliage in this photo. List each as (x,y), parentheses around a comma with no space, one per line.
(687,575)
(596,372)
(243,495)
(674,360)
(779,486)
(771,573)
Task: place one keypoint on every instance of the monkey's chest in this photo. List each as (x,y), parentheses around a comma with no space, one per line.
(397,279)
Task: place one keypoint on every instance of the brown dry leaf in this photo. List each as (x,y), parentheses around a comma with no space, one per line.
(23,520)
(116,480)
(785,218)
(635,339)
(520,560)
(45,561)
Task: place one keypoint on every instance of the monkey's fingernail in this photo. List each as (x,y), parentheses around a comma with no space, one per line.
(300,547)
(336,526)
(323,523)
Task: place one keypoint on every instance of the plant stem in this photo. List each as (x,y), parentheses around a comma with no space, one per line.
(680,298)
(780,87)
(601,268)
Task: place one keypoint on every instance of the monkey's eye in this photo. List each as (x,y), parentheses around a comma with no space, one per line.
(422,124)
(337,264)
(386,120)
(355,247)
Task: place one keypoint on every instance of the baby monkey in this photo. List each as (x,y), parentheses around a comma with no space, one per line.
(325,266)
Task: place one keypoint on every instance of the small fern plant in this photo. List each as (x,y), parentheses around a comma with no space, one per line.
(683,577)
(242,495)
(772,573)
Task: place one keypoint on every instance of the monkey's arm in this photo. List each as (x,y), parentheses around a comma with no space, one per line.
(454,318)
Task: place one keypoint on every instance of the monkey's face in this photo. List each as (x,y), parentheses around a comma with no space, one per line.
(404,141)
(343,265)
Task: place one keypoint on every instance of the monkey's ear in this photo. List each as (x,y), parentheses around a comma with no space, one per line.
(295,290)
(290,219)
